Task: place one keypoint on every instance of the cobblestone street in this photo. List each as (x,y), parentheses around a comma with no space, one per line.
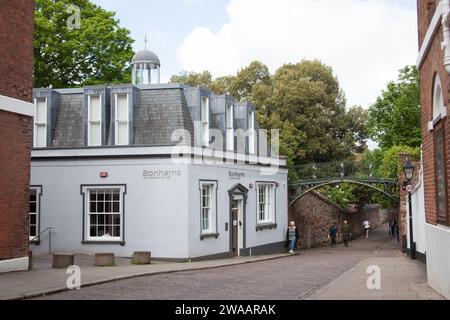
(303,276)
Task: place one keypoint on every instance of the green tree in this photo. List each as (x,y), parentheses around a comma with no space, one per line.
(243,85)
(394,119)
(194,79)
(391,167)
(308,96)
(98,52)
(303,100)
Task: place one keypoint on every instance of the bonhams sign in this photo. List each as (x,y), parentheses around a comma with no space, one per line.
(234,175)
(161,174)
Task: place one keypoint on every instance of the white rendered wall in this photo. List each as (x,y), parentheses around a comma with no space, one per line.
(438,259)
(155,209)
(252,175)
(418,213)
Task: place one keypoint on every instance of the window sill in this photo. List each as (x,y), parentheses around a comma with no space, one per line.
(35,242)
(266,226)
(432,124)
(112,242)
(209,236)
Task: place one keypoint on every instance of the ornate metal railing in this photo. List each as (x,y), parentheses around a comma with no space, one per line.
(306,178)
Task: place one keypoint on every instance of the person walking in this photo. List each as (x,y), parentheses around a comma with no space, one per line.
(366,226)
(391,226)
(332,234)
(292,237)
(346,233)
(394,227)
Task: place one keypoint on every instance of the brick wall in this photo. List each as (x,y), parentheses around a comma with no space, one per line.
(427,8)
(373,213)
(16,70)
(313,215)
(16,49)
(432,65)
(15,146)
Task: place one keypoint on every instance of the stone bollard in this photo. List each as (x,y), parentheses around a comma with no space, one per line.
(63,260)
(104,259)
(142,257)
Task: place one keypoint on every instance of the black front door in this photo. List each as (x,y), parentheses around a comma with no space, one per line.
(235,232)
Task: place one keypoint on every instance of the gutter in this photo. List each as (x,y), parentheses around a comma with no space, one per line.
(446,30)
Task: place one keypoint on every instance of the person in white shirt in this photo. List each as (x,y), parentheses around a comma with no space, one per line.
(366,226)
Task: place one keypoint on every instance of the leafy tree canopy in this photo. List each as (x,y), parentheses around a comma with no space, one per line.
(303,100)
(98,52)
(394,119)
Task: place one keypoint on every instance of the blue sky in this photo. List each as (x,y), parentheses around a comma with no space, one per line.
(167,23)
(365,41)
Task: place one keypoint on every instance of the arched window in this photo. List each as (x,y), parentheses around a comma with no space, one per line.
(439,112)
(438,99)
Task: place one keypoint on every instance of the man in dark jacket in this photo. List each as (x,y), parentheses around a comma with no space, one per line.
(332,234)
(346,234)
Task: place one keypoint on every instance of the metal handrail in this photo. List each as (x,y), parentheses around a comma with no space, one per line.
(49,229)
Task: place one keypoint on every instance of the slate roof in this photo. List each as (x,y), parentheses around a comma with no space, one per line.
(68,131)
(158,110)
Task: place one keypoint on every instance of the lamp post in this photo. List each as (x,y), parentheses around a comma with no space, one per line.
(408,169)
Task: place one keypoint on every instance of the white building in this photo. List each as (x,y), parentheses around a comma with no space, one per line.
(142,167)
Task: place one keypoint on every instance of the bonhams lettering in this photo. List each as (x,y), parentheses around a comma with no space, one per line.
(161,174)
(234,175)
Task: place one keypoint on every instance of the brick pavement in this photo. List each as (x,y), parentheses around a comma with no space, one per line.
(305,276)
(314,274)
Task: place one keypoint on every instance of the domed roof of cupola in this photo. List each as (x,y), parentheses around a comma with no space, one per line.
(146,56)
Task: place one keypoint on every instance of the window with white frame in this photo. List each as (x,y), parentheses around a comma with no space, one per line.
(40,123)
(34,213)
(104,213)
(205,121)
(230,128)
(251,132)
(265,203)
(94,120)
(439,109)
(208,208)
(121,121)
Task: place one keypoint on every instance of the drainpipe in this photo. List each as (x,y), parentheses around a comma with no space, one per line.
(446,27)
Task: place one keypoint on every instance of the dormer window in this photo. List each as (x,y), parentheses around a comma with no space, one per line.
(251,132)
(121,120)
(230,128)
(205,121)
(94,120)
(40,123)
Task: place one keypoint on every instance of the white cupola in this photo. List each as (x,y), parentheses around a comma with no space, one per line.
(145,67)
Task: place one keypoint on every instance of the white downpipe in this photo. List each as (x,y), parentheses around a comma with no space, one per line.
(446,28)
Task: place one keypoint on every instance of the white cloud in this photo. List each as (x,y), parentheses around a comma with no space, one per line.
(365,41)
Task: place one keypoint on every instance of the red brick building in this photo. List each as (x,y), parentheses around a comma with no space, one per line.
(434,66)
(16,124)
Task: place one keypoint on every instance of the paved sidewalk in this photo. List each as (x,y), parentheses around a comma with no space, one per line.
(43,281)
(401,279)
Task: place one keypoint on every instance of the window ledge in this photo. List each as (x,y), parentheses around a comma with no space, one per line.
(266,226)
(209,236)
(435,122)
(35,242)
(122,243)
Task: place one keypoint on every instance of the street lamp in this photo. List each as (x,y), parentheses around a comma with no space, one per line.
(408,169)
